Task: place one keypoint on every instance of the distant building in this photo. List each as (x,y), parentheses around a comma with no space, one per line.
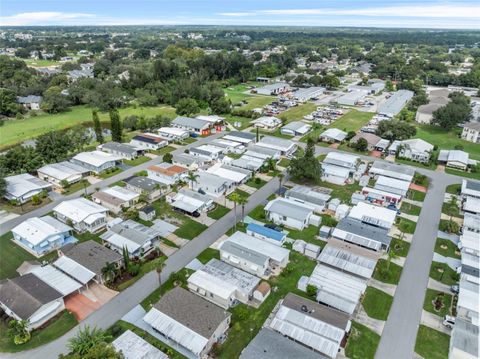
(30,102)
(393,105)
(471,132)
(274,89)
(296,128)
(193,125)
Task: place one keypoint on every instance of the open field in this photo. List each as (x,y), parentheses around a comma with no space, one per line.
(353,120)
(16,131)
(297,113)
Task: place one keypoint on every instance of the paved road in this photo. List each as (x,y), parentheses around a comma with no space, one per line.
(112,311)
(7,226)
(400,331)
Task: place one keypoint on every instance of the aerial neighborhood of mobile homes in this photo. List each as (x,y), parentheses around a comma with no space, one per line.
(259,200)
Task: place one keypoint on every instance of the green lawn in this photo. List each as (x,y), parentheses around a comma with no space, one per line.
(275,133)
(432,344)
(431,296)
(208,254)
(447,139)
(387,274)
(169,243)
(377,303)
(406,225)
(55,328)
(16,131)
(296,113)
(242,193)
(12,256)
(314,134)
(256,183)
(76,187)
(400,247)
(415,195)
(409,208)
(137,161)
(258,213)
(244,121)
(218,212)
(454,189)
(87,236)
(256,101)
(443,273)
(446,248)
(328,220)
(362,342)
(190,229)
(145,268)
(110,172)
(284,162)
(451,209)
(40,63)
(163,150)
(431,166)
(353,120)
(247,321)
(444,227)
(120,327)
(308,235)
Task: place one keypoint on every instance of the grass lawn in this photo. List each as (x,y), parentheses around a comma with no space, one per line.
(258,213)
(432,344)
(169,243)
(76,187)
(190,229)
(362,342)
(390,275)
(451,209)
(55,328)
(431,166)
(406,225)
(87,236)
(247,321)
(256,101)
(163,150)
(208,254)
(110,173)
(308,235)
(446,248)
(447,139)
(256,183)
(242,193)
(40,63)
(244,121)
(400,247)
(353,120)
(15,131)
(145,268)
(12,256)
(218,212)
(444,226)
(454,189)
(284,162)
(314,134)
(137,161)
(409,208)
(24,208)
(120,327)
(431,296)
(415,195)
(296,113)
(443,273)
(328,220)
(377,303)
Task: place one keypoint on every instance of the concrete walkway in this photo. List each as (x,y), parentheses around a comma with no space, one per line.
(411,201)
(385,287)
(409,216)
(373,324)
(436,285)
(434,321)
(453,263)
(451,237)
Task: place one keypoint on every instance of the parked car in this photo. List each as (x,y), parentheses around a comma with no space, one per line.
(455,289)
(449,321)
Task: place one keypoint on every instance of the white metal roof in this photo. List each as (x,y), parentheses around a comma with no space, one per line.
(73,269)
(175,131)
(309,331)
(259,246)
(56,279)
(470,241)
(35,230)
(334,133)
(372,214)
(337,171)
(392,170)
(21,184)
(122,193)
(212,284)
(134,347)
(276,143)
(96,158)
(79,209)
(190,201)
(347,261)
(289,208)
(341,159)
(472,204)
(393,185)
(175,331)
(63,170)
(337,289)
(229,173)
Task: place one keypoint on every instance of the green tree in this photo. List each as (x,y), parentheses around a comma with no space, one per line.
(18,331)
(395,130)
(126,257)
(312,291)
(235,198)
(187,107)
(306,167)
(86,339)
(53,146)
(8,104)
(167,157)
(54,101)
(361,145)
(115,126)
(242,201)
(97,127)
(455,112)
(192,178)
(109,272)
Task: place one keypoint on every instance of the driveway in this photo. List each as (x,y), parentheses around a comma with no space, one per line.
(80,306)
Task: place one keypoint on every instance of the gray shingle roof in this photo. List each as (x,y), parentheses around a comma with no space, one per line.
(120,147)
(91,255)
(197,314)
(144,183)
(190,122)
(26,294)
(246,135)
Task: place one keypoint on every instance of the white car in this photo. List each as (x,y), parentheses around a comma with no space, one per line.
(449,321)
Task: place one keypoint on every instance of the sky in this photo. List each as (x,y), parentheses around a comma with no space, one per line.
(374,13)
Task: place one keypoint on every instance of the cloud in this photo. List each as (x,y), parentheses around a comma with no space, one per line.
(43,18)
(425,11)
(237,14)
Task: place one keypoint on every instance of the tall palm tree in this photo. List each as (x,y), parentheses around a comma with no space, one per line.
(159,270)
(271,163)
(391,256)
(280,176)
(109,271)
(235,198)
(242,201)
(192,178)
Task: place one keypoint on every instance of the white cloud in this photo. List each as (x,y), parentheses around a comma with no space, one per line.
(426,11)
(237,14)
(43,18)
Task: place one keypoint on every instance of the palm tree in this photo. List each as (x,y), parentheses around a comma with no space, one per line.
(235,198)
(86,339)
(271,163)
(280,176)
(192,177)
(391,256)
(159,270)
(242,201)
(18,330)
(109,271)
